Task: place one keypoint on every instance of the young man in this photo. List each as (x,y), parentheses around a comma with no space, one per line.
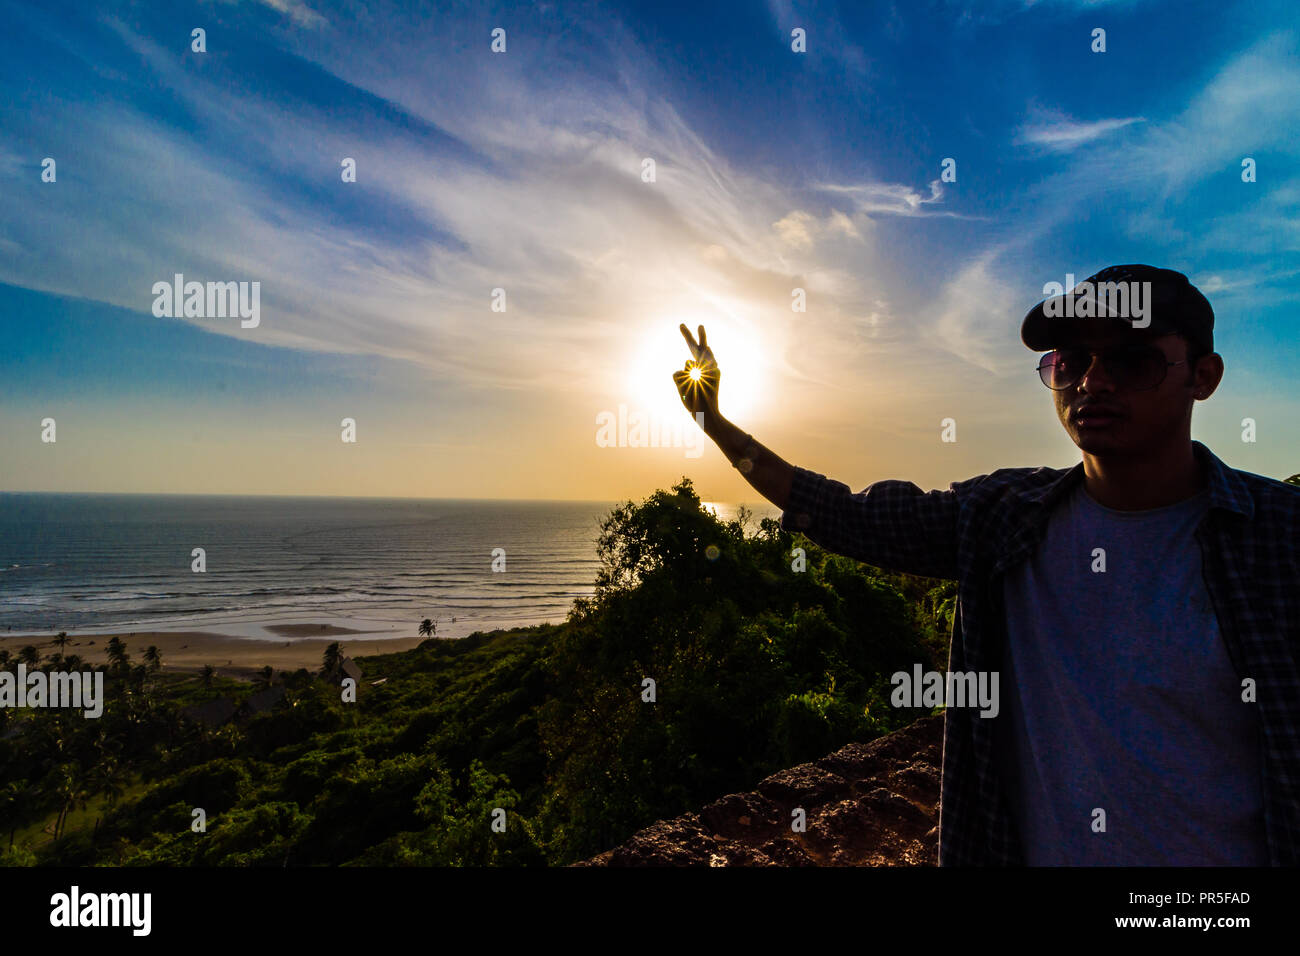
(1142,609)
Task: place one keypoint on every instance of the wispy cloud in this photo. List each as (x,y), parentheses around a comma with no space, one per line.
(975,312)
(1067,134)
(885,198)
(826,37)
(298,11)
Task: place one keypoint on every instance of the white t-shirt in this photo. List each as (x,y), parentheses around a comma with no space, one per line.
(1120,697)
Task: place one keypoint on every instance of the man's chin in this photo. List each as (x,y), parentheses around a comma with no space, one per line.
(1100,442)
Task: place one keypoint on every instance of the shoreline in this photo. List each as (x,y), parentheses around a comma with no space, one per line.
(230,656)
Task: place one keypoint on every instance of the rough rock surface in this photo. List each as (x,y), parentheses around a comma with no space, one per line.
(874,804)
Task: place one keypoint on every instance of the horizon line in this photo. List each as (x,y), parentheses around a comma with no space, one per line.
(205,494)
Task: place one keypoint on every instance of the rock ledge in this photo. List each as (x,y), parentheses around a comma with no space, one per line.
(874,804)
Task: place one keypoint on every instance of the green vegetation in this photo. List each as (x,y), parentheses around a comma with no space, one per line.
(754,668)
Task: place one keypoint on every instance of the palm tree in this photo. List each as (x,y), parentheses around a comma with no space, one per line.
(267,674)
(153,657)
(17,801)
(118,658)
(108,780)
(228,739)
(29,655)
(428,627)
(53,743)
(332,660)
(207,674)
(61,642)
(5,658)
(70,787)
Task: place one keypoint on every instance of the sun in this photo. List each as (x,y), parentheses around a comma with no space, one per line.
(659,350)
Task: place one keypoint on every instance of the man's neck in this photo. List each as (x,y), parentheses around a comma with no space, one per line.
(1139,484)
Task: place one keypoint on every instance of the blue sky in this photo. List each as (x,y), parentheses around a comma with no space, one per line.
(521,171)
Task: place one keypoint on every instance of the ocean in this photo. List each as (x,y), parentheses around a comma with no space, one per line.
(99,563)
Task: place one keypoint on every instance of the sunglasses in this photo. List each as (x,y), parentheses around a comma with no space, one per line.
(1129,366)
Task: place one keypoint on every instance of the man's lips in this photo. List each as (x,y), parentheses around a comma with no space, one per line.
(1093,415)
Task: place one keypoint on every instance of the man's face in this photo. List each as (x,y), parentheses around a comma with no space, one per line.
(1104,417)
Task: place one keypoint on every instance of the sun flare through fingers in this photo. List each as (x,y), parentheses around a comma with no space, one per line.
(660,351)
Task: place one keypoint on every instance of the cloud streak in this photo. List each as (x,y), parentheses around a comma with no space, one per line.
(1067,135)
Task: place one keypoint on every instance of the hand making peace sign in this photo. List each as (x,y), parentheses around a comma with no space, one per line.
(697,382)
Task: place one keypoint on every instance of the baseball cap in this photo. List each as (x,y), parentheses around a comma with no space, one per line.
(1174,305)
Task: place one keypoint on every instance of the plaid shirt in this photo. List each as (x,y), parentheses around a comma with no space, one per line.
(980,527)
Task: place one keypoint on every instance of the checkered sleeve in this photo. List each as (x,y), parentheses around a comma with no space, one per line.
(890,524)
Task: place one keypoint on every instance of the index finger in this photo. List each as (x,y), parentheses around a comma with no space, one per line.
(690,340)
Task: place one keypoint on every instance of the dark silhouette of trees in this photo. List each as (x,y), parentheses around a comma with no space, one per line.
(71,789)
(18,804)
(332,660)
(119,661)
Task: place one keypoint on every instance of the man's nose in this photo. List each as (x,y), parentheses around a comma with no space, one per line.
(1095,378)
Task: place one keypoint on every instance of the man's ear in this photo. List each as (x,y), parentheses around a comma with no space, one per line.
(1209,373)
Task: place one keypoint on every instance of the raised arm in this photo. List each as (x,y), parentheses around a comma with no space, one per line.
(697,384)
(890,524)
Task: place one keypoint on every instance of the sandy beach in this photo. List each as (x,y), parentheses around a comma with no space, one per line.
(231,656)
